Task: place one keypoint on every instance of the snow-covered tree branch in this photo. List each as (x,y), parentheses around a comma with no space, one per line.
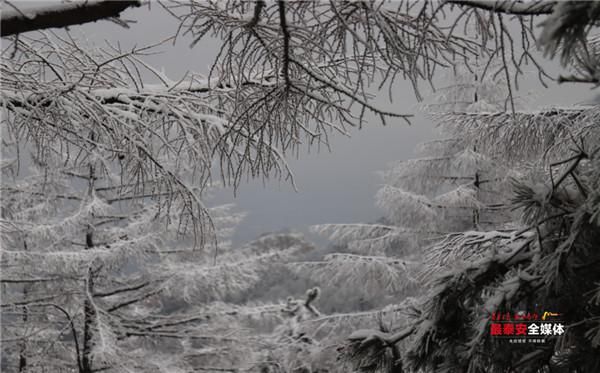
(510,7)
(15,20)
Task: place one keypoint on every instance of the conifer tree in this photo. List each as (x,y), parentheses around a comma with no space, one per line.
(100,272)
(451,189)
(543,262)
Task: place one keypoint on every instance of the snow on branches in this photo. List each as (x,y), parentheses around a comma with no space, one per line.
(366,239)
(511,137)
(15,20)
(90,252)
(546,258)
(364,273)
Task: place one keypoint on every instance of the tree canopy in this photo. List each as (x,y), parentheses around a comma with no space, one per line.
(106,176)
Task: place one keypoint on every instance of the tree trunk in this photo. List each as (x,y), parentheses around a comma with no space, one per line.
(397,361)
(476,210)
(25,317)
(23,344)
(88,307)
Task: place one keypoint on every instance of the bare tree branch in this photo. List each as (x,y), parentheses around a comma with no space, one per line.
(258,7)
(576,79)
(61,15)
(510,7)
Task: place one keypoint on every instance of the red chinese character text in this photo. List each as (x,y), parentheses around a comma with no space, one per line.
(521,329)
(508,329)
(496,329)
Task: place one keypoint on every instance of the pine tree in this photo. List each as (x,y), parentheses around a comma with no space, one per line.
(544,262)
(452,189)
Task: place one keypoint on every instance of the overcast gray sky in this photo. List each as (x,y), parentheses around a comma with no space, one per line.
(334,187)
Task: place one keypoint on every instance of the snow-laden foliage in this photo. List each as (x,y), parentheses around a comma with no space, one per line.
(452,188)
(101,266)
(99,272)
(533,134)
(367,239)
(287,74)
(366,274)
(568,27)
(541,259)
(545,264)
(227,275)
(338,48)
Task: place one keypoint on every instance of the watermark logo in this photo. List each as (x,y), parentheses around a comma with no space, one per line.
(526,327)
(550,314)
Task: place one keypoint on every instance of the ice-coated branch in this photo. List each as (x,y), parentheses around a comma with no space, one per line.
(398,38)
(511,137)
(15,21)
(522,8)
(367,273)
(471,246)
